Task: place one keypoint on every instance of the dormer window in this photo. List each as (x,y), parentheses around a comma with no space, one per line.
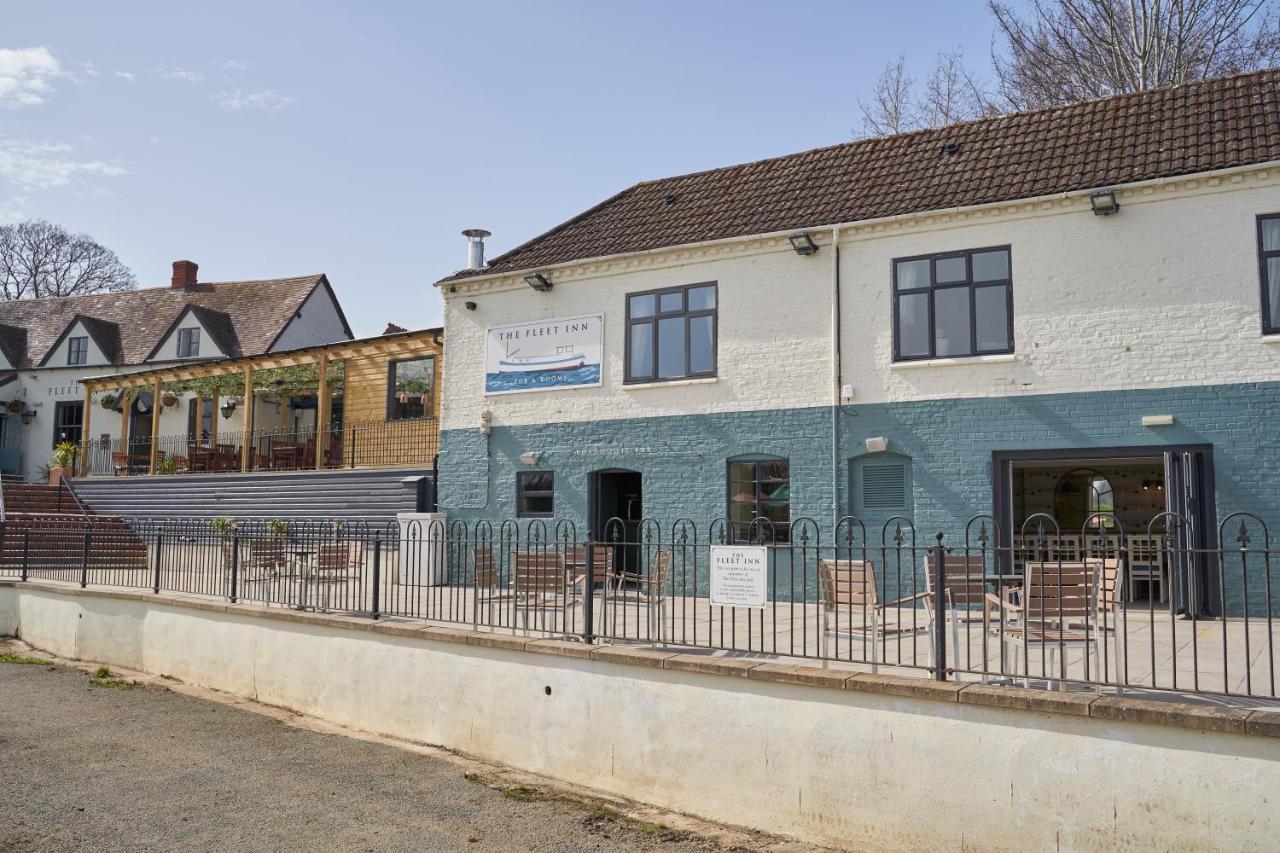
(188,343)
(77,351)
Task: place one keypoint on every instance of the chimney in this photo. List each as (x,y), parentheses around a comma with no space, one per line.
(184,274)
(475,247)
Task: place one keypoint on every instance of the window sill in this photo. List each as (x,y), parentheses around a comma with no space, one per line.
(1002,358)
(1273,338)
(673,383)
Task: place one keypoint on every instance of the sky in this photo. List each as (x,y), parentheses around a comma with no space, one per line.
(358,139)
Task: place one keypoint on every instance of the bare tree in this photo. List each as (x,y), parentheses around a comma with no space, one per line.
(950,94)
(892,107)
(1059,51)
(39,259)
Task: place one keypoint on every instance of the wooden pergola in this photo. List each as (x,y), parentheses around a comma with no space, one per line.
(383,348)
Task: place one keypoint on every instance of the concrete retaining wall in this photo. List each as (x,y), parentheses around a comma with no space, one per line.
(863,762)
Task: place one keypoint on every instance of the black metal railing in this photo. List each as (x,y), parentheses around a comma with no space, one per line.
(375,444)
(1040,606)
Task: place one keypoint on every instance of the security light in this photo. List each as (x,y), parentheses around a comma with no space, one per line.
(803,243)
(470,306)
(538,282)
(1104,202)
(28,416)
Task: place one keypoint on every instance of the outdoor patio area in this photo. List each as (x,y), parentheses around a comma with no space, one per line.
(1139,647)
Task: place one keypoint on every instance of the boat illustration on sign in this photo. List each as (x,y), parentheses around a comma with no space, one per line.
(564,358)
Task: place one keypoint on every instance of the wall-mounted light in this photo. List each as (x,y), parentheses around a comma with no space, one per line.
(28,416)
(538,282)
(470,306)
(228,408)
(803,243)
(531,457)
(1104,202)
(879,444)
(486,422)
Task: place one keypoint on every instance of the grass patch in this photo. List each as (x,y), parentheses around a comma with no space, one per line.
(604,816)
(525,793)
(9,657)
(102,677)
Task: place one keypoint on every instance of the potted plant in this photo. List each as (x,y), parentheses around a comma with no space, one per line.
(108,401)
(63,461)
(224,528)
(15,406)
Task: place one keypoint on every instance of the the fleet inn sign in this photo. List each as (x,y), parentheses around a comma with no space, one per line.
(738,575)
(544,354)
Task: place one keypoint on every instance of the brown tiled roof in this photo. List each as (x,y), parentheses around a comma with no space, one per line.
(1233,121)
(247,316)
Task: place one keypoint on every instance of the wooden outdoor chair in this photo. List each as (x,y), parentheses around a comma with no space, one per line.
(575,559)
(333,562)
(1059,609)
(848,588)
(265,559)
(965,594)
(542,583)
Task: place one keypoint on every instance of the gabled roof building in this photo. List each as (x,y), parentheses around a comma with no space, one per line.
(48,345)
(1061,312)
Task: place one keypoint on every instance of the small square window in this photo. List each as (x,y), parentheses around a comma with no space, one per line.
(953,306)
(535,494)
(410,388)
(671,334)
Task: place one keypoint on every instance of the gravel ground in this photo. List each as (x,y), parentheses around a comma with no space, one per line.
(90,767)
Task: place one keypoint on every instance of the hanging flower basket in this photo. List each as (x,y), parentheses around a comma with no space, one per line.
(169,400)
(15,406)
(108,402)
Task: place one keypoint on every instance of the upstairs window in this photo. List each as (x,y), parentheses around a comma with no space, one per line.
(760,487)
(671,334)
(77,351)
(409,387)
(535,494)
(1269,264)
(188,343)
(952,305)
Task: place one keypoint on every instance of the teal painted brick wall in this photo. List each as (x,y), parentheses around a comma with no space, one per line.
(949,441)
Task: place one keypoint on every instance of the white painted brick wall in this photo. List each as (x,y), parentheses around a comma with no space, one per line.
(1164,293)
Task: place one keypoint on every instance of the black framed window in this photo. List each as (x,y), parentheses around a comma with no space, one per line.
(1269,266)
(759,487)
(68,422)
(188,343)
(409,387)
(535,494)
(953,305)
(77,350)
(671,334)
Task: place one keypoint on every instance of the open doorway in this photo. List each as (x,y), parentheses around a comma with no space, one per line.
(616,502)
(1159,499)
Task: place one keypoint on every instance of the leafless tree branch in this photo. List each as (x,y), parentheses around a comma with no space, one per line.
(40,259)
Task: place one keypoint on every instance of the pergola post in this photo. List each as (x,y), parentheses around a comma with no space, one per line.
(126,409)
(213,421)
(322,411)
(155,425)
(246,445)
(82,465)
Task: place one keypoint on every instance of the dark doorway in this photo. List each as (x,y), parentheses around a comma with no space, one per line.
(1165,490)
(140,426)
(615,498)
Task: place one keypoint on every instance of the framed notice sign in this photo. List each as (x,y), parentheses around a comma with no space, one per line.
(739,575)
